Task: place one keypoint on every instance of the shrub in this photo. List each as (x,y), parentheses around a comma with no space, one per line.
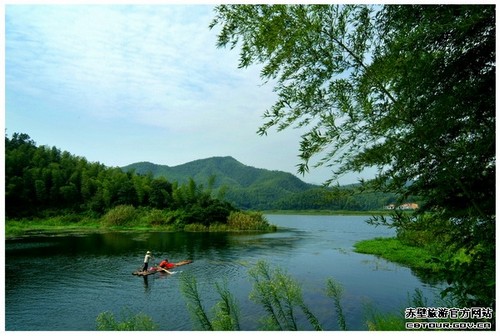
(218,227)
(249,220)
(377,321)
(140,322)
(334,290)
(281,297)
(195,227)
(120,215)
(157,217)
(72,218)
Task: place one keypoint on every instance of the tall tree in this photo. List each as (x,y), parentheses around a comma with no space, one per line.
(409,90)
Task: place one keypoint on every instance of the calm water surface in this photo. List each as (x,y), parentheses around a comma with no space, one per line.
(63,283)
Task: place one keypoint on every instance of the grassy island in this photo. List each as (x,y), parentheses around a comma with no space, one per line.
(128,218)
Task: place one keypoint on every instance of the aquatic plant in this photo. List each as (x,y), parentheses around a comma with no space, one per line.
(280,295)
(334,290)
(129,321)
(226,311)
(189,288)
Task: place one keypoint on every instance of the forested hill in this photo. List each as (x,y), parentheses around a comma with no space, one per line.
(255,188)
(44,182)
(247,187)
(227,171)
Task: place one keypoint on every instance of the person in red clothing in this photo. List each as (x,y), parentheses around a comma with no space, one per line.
(166,265)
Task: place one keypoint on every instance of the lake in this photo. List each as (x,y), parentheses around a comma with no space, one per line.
(63,283)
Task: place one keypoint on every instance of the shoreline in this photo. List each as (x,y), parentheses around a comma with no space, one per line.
(18,229)
(55,226)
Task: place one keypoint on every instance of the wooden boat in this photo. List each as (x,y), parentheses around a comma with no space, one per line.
(154,270)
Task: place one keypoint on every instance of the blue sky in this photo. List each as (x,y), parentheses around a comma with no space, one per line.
(121,84)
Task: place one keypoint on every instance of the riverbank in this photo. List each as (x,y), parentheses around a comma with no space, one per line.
(65,225)
(71,225)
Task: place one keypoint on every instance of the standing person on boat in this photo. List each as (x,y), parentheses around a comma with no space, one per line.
(147,257)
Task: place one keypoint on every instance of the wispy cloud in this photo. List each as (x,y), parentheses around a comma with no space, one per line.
(145,63)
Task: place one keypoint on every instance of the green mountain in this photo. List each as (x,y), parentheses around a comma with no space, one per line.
(261,189)
(227,170)
(246,186)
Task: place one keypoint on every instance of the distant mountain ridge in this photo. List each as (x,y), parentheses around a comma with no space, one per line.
(228,171)
(240,181)
(260,189)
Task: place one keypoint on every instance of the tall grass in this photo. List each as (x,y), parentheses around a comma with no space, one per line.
(189,287)
(106,321)
(334,290)
(196,227)
(128,217)
(249,220)
(120,215)
(16,228)
(377,321)
(279,295)
(226,311)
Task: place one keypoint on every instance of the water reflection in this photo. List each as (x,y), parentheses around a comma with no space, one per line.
(146,284)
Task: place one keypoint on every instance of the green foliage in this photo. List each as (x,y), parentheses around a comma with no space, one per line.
(157,217)
(460,249)
(381,86)
(249,220)
(56,183)
(106,321)
(471,289)
(120,215)
(408,90)
(386,322)
(377,321)
(277,292)
(195,228)
(425,230)
(189,288)
(394,250)
(219,227)
(281,297)
(226,310)
(16,228)
(334,290)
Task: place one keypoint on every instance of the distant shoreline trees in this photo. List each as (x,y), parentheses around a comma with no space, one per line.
(42,182)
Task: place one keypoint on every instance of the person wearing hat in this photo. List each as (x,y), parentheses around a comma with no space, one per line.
(147,257)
